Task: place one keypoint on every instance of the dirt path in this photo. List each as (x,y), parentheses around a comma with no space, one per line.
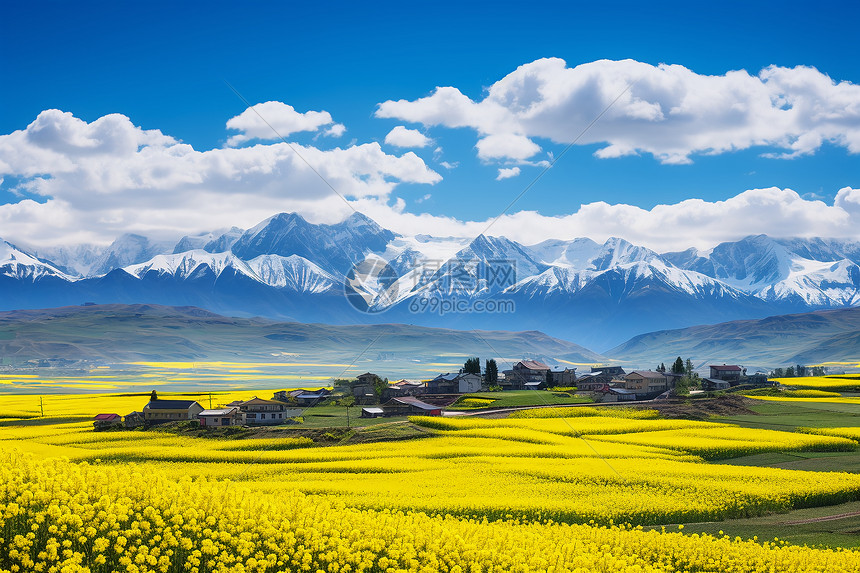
(825,518)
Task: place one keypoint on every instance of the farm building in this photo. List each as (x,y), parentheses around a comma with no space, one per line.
(564,377)
(372,412)
(730,372)
(404,388)
(409,405)
(714,384)
(646,381)
(523,372)
(102,421)
(619,395)
(220,417)
(460,383)
(134,420)
(159,411)
(261,412)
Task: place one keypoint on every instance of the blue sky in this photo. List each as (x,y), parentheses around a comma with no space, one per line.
(164,67)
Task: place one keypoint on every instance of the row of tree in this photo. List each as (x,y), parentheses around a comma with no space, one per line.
(491,369)
(798,371)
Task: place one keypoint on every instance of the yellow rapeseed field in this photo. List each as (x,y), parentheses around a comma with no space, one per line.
(526,493)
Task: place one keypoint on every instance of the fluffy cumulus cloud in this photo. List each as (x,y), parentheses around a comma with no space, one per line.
(272,120)
(668,111)
(402,136)
(95,181)
(507,173)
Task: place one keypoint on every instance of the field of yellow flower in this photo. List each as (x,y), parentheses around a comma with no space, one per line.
(524,493)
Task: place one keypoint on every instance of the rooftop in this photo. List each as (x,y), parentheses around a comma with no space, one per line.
(170,404)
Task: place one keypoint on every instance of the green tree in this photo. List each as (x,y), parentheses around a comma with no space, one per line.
(789,372)
(379,385)
(779,373)
(472,366)
(688,367)
(492,372)
(678,366)
(818,371)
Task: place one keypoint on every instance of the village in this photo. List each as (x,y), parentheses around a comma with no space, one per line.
(378,398)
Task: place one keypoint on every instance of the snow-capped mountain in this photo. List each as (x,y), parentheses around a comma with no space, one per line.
(16,264)
(294,272)
(287,267)
(811,272)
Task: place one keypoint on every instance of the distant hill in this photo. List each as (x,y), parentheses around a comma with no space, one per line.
(807,338)
(123,333)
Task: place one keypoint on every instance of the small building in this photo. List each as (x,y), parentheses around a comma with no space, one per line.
(564,377)
(646,381)
(459,383)
(715,384)
(290,396)
(619,395)
(134,420)
(219,418)
(364,394)
(104,421)
(261,412)
(523,372)
(372,412)
(409,405)
(591,382)
(404,388)
(160,411)
(368,378)
(729,372)
(308,399)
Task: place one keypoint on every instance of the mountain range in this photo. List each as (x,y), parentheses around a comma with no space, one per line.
(819,337)
(119,333)
(287,268)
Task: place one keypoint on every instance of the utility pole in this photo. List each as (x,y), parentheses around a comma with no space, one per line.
(210,400)
(41,407)
(347,416)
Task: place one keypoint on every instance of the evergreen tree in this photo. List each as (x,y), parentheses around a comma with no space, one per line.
(472,366)
(678,367)
(153,397)
(492,372)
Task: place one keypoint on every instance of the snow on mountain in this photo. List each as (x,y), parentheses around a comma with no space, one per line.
(128,250)
(17,264)
(335,247)
(224,242)
(75,260)
(814,272)
(631,266)
(294,272)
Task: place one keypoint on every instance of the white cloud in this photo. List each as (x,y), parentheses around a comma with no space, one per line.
(265,119)
(506,146)
(667,111)
(335,130)
(507,173)
(449,165)
(98,180)
(690,223)
(424,198)
(402,136)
